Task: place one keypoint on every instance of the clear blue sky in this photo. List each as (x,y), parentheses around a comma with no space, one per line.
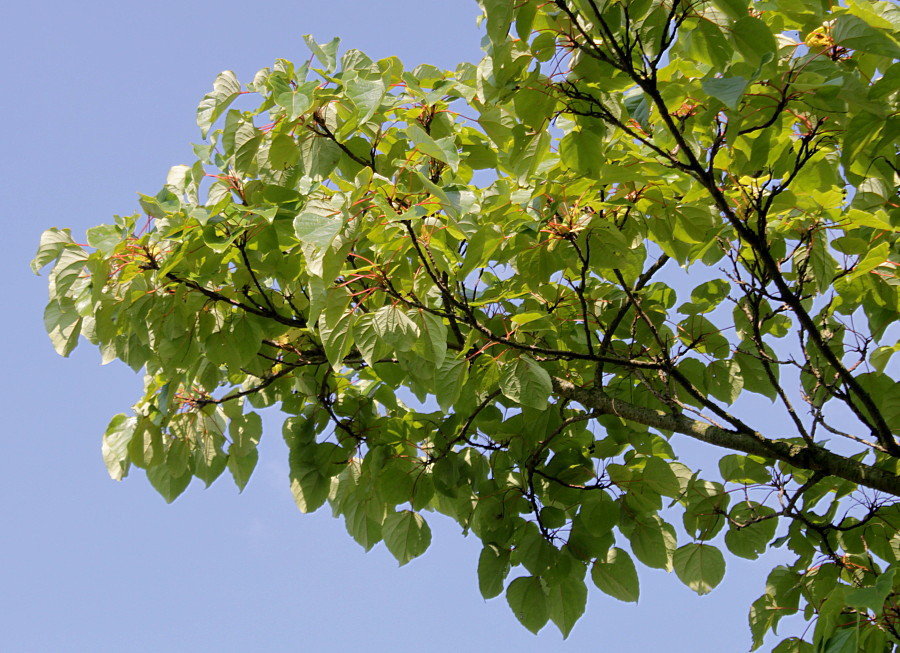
(98,102)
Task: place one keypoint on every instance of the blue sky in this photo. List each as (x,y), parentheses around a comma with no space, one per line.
(99,102)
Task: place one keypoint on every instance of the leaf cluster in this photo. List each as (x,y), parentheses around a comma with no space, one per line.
(504,292)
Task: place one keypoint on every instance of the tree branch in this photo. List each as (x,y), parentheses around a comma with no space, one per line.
(802,456)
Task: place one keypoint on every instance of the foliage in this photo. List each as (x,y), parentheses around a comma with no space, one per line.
(504,292)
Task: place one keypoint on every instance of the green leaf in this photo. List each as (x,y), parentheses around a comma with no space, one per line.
(728,90)
(526,382)
(366,94)
(395,328)
(582,151)
(652,542)
(753,373)
(499,19)
(754,40)
(534,105)
(598,513)
(734,8)
(367,340)
(68,271)
(295,102)
(406,535)
(872,598)
(396,481)
(567,599)
(529,602)
(534,552)
(723,380)
(781,599)
(209,461)
(325,53)
(310,488)
(855,34)
(104,237)
(283,152)
(704,510)
(245,431)
(168,484)
(794,645)
(845,640)
(336,330)
(880,357)
(364,517)
(493,568)
(709,44)
(63,326)
(699,332)
(443,149)
(316,228)
(115,445)
(744,469)
(449,380)
(241,464)
(53,242)
(145,449)
(699,566)
(615,575)
(874,219)
(639,109)
(432,342)
(225,89)
(659,476)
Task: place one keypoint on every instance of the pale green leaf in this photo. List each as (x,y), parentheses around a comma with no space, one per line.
(326,53)
(406,535)
(115,445)
(225,89)
(316,228)
(699,566)
(395,328)
(241,464)
(53,241)
(168,484)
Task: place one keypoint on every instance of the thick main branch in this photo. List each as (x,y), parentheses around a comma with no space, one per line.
(802,456)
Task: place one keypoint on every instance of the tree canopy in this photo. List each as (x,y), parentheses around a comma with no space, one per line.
(507,292)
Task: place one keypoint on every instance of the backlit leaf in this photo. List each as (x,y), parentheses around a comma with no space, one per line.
(616,575)
(406,535)
(699,566)
(529,602)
